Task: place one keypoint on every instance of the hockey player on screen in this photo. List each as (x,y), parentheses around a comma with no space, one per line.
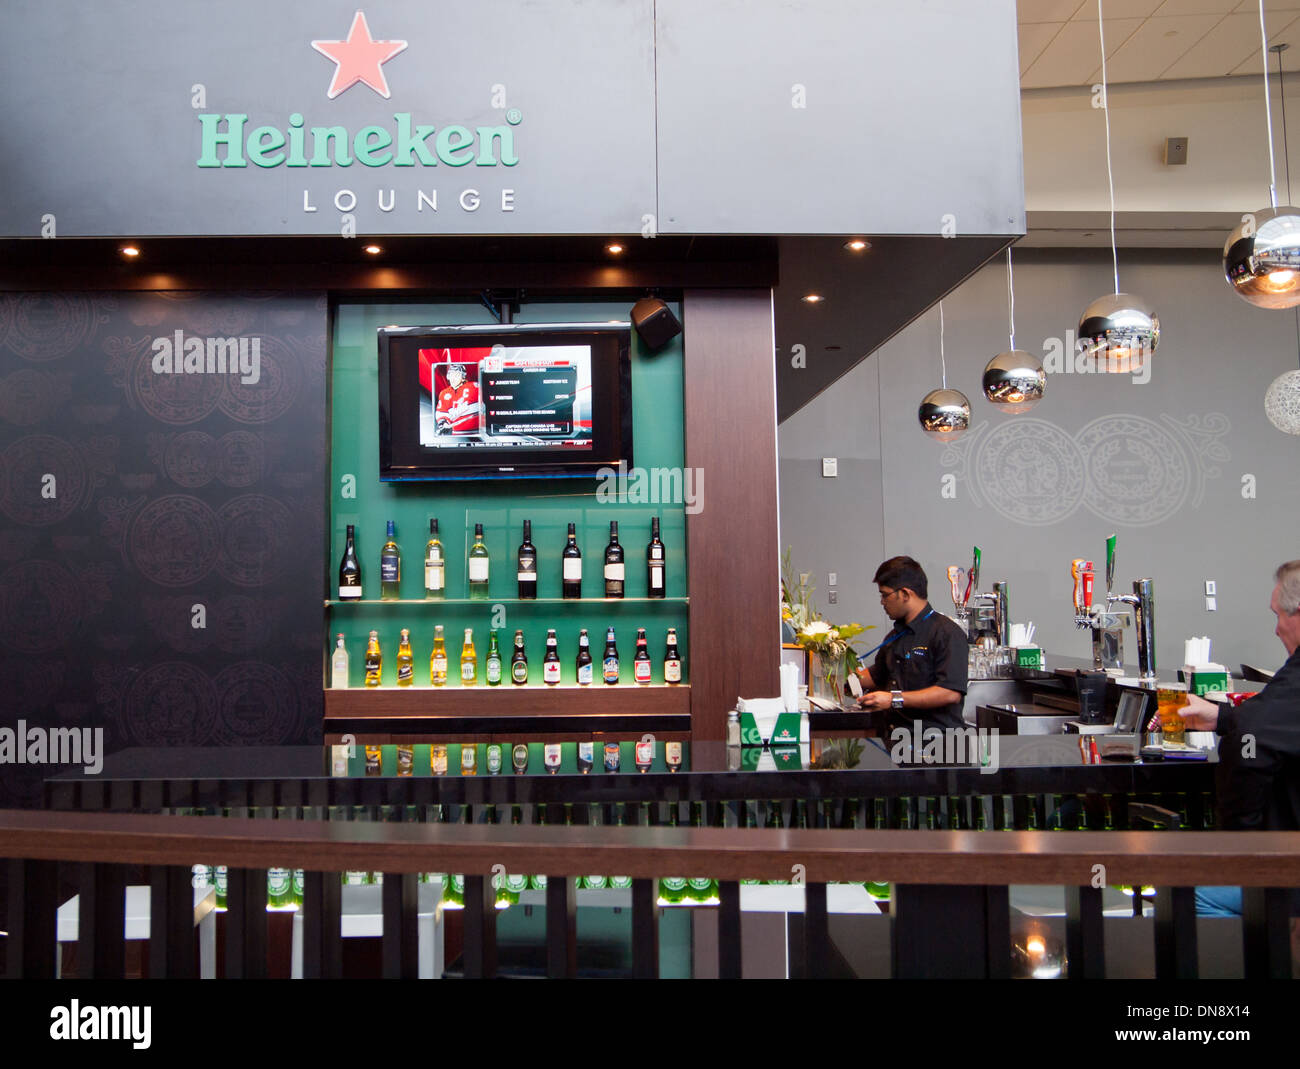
(459,408)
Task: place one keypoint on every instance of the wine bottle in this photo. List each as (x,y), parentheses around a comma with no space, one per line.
(435,566)
(350,569)
(468,660)
(672,659)
(527,571)
(613,564)
(551,662)
(405,661)
(478,565)
(374,660)
(492,666)
(438,659)
(641,661)
(339,666)
(571,586)
(519,661)
(583,664)
(655,563)
(609,664)
(390,567)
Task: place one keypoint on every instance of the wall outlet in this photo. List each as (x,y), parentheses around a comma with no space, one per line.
(1210,590)
(832,596)
(830,467)
(1211,604)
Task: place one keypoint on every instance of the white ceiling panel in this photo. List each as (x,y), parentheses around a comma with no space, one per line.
(1075,53)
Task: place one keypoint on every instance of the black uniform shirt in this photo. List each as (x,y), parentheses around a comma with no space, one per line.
(931,651)
(1262,791)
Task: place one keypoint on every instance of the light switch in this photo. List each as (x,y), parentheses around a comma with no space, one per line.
(833,578)
(830,467)
(1211,604)
(1210,588)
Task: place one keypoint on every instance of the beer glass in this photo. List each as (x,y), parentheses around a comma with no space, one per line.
(1170,697)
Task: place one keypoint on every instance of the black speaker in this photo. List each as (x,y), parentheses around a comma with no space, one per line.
(655,323)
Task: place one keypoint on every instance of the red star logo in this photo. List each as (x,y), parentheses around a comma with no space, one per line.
(359,58)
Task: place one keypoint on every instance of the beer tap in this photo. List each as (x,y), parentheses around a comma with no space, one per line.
(991,608)
(1106,622)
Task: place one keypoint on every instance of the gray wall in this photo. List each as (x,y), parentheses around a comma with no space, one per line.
(1162,464)
(735,116)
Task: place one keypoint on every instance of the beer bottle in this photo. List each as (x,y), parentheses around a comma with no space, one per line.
(350,569)
(405,759)
(620,883)
(655,562)
(519,758)
(551,662)
(609,664)
(339,665)
(492,667)
(641,661)
(390,567)
(405,661)
(519,661)
(526,573)
(435,565)
(583,663)
(279,889)
(468,660)
(478,565)
(494,759)
(571,561)
(551,757)
(374,661)
(438,759)
(469,759)
(374,761)
(672,659)
(438,659)
(613,564)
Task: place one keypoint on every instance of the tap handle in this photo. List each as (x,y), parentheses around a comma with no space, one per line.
(1110,563)
(1076,572)
(954,580)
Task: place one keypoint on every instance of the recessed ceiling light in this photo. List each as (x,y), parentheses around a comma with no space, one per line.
(129,251)
(374,250)
(614,248)
(813,298)
(833,348)
(857,245)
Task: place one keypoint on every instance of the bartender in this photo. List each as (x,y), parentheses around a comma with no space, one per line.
(920,670)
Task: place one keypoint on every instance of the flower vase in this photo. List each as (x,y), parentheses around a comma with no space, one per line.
(828,679)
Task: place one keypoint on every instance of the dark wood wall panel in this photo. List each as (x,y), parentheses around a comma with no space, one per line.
(735,639)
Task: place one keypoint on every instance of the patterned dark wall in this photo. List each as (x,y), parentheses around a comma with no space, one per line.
(165,584)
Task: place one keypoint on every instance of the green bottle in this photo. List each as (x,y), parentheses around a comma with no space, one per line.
(493,667)
(279,889)
(478,566)
(701,889)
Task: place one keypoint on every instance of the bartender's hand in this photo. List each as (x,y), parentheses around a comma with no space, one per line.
(876,700)
(1198,714)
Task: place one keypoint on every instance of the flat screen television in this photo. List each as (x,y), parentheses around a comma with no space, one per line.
(504,402)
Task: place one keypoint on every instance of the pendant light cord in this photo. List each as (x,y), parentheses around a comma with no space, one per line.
(1110,174)
(1011,302)
(943,364)
(1286,154)
(1268,107)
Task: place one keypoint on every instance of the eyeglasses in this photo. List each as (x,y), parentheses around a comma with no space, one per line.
(885,595)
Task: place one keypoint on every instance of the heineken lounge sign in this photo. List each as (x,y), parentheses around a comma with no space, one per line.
(359,58)
(227,142)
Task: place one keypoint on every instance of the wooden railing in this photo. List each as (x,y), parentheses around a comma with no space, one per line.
(950,908)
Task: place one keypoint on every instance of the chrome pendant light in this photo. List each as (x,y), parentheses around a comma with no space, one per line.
(1014,381)
(1261,258)
(1119,331)
(944,414)
(1282,399)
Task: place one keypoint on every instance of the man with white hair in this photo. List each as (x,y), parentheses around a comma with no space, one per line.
(1258,777)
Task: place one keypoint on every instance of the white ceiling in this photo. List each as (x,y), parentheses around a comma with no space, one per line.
(1150,40)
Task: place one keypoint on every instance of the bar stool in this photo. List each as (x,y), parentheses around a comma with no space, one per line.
(136,924)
